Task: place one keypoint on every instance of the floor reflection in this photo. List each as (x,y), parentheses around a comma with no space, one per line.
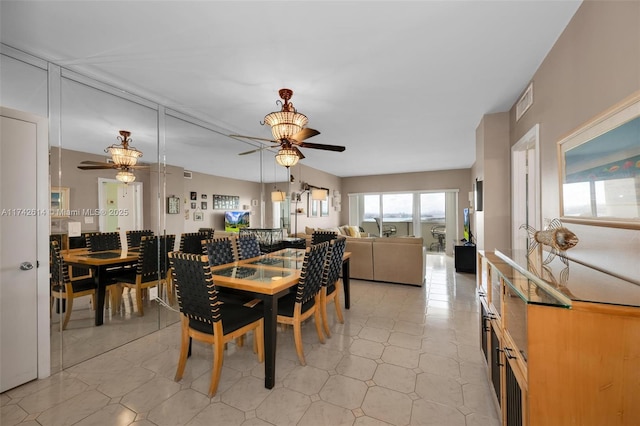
(82,340)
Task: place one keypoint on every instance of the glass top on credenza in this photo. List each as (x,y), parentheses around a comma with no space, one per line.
(557,281)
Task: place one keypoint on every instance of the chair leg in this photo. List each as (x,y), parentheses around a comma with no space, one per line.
(139,301)
(318,320)
(336,301)
(218,353)
(297,337)
(258,339)
(67,312)
(323,314)
(240,341)
(185,345)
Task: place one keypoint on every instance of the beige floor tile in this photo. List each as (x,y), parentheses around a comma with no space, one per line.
(323,413)
(441,365)
(322,357)
(387,405)
(402,357)
(366,348)
(73,410)
(222,413)
(306,379)
(344,392)
(403,340)
(152,393)
(114,415)
(430,413)
(179,408)
(381,322)
(357,367)
(369,421)
(245,394)
(12,415)
(396,378)
(374,334)
(478,399)
(50,396)
(442,389)
(283,407)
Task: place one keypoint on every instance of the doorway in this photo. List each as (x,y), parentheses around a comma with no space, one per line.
(120,206)
(525,186)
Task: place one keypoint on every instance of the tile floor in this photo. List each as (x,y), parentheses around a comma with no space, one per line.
(405,356)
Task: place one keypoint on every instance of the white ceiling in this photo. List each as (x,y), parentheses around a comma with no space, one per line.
(403,85)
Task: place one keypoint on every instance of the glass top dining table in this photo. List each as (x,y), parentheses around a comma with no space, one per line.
(269,277)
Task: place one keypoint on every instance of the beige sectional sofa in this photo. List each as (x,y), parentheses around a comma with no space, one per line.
(390,259)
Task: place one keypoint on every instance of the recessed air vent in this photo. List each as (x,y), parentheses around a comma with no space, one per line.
(525,102)
(188,174)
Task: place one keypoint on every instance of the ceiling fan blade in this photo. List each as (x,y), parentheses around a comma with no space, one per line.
(105,167)
(300,155)
(252,138)
(140,167)
(322,146)
(96,163)
(305,133)
(258,149)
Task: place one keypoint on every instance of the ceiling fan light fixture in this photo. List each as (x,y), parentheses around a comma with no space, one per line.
(286,122)
(287,157)
(124,155)
(125,176)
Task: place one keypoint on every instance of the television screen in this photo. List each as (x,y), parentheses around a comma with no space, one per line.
(234,220)
(467,224)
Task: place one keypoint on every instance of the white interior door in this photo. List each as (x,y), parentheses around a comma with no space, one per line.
(525,187)
(19,221)
(120,206)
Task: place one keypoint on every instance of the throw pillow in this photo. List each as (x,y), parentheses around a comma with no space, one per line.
(354,231)
(308,230)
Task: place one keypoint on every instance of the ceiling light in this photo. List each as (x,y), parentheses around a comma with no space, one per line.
(123,154)
(286,122)
(125,176)
(287,157)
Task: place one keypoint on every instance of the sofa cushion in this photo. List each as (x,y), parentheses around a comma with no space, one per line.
(398,260)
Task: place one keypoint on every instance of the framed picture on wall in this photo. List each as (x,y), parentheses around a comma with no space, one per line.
(198,216)
(599,168)
(194,205)
(193,195)
(203,205)
(59,201)
(173,205)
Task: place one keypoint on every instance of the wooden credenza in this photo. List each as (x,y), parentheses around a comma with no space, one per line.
(562,345)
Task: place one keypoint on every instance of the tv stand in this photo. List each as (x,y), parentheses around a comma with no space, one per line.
(464,257)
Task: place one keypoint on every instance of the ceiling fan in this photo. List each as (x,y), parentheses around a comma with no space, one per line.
(289,133)
(124,158)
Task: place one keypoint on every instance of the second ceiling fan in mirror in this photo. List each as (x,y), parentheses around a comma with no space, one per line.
(289,133)
(123,156)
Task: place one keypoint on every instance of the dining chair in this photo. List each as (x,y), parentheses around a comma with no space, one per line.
(134,237)
(248,246)
(104,241)
(62,288)
(322,236)
(209,231)
(151,268)
(294,308)
(205,319)
(218,250)
(191,242)
(331,282)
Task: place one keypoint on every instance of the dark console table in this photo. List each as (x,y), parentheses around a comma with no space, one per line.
(465,258)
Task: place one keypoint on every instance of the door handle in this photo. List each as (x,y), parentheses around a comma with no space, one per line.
(26,266)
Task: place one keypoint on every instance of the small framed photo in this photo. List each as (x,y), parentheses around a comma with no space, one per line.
(193,195)
(203,196)
(198,216)
(194,205)
(173,205)
(203,205)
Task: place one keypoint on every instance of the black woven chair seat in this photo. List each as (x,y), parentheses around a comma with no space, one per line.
(125,276)
(288,302)
(78,285)
(234,317)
